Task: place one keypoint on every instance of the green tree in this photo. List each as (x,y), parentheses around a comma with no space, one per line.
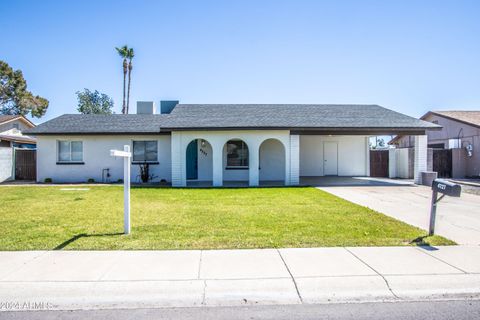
(123,52)
(14,96)
(130,55)
(94,102)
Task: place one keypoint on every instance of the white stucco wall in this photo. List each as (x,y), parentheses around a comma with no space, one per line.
(96,156)
(352,155)
(272,161)
(401,160)
(6,163)
(217,139)
(284,158)
(205,162)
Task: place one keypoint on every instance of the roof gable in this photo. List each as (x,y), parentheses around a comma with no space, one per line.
(467,117)
(8,118)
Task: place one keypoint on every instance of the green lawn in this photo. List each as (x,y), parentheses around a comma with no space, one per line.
(166,218)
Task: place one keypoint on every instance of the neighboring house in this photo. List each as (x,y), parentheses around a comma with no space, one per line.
(460,135)
(221,143)
(12,139)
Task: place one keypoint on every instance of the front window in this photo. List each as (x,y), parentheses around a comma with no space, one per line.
(237,154)
(145,151)
(70,151)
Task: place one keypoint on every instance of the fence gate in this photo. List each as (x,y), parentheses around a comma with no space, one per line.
(379,163)
(25,164)
(442,162)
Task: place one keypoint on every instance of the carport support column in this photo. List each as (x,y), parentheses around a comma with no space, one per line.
(392,163)
(420,163)
(367,156)
(217,163)
(253,172)
(294,160)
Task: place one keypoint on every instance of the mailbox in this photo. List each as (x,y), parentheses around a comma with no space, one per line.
(446,187)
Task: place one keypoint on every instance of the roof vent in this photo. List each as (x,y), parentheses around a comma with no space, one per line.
(146,107)
(166,106)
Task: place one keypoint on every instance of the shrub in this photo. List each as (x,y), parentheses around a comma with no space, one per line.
(48,180)
(91,180)
(120,180)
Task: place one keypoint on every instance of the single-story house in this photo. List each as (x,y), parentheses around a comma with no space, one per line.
(221,144)
(12,141)
(455,147)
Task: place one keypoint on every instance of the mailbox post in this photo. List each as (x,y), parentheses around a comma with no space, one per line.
(446,188)
(126,155)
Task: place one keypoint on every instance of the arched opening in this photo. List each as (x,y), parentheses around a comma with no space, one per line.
(199,163)
(235,162)
(272,162)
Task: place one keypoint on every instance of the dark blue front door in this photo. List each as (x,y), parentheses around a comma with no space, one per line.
(192,159)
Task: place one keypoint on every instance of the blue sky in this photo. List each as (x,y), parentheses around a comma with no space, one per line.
(410,56)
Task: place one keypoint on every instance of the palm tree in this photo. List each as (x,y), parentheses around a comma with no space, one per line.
(123,52)
(130,55)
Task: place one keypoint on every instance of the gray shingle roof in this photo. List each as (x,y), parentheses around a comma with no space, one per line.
(99,123)
(289,116)
(249,116)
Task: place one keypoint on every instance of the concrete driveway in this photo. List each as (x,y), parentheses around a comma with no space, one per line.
(458,219)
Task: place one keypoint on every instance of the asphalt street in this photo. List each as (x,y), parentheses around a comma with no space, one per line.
(427,310)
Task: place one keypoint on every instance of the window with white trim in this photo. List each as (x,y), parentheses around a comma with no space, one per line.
(70,151)
(145,151)
(237,154)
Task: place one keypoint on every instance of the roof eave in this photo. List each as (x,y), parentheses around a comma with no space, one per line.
(96,133)
(320,130)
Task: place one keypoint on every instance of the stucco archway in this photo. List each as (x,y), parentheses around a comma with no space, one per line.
(272,162)
(236,162)
(199,163)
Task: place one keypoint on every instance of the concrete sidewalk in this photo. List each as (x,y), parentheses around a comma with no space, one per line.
(69,280)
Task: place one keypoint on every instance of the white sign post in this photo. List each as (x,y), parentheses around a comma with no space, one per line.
(126,155)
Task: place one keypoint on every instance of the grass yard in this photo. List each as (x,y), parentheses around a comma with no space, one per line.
(165,218)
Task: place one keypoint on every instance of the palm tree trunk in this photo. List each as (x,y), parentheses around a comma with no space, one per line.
(124,109)
(129,78)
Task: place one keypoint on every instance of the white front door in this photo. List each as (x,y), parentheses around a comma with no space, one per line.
(330,158)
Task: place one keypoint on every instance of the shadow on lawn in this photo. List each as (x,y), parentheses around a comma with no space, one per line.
(84,235)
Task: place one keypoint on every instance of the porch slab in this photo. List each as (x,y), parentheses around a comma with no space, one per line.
(402,260)
(336,181)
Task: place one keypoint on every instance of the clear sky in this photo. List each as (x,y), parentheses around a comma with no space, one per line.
(410,56)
